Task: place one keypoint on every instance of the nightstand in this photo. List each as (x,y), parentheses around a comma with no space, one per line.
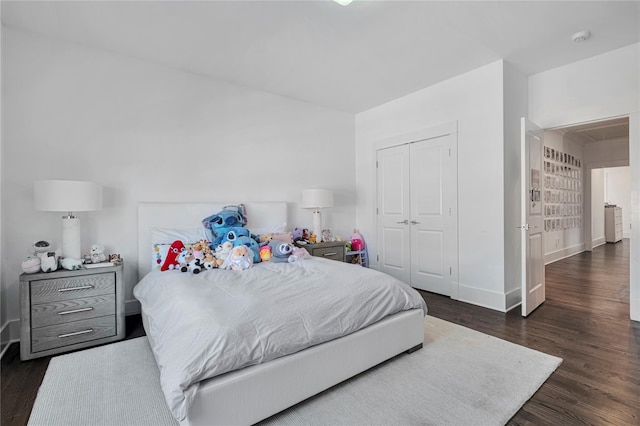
(67,310)
(334,250)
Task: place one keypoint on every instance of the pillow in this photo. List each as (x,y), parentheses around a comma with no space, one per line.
(160,252)
(285,237)
(273,228)
(169,235)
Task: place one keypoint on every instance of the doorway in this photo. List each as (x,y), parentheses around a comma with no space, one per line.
(604,148)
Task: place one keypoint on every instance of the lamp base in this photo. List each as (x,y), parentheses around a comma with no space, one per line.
(317,225)
(71,237)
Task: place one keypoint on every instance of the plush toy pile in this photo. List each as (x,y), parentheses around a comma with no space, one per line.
(230,246)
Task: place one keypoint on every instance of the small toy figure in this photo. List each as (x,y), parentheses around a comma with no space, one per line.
(97,253)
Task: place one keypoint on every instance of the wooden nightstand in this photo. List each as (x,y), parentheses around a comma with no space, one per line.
(334,250)
(66,310)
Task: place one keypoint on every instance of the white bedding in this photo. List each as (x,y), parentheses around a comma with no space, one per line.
(204,325)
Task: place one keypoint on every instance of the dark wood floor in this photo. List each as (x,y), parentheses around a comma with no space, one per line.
(585,321)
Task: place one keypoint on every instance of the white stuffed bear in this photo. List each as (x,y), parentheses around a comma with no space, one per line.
(97,254)
(240,258)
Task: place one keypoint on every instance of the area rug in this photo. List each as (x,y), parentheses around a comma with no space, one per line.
(459,377)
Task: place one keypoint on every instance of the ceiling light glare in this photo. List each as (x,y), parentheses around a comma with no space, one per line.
(581,36)
(343,2)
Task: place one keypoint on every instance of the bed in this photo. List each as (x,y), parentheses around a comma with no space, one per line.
(254,389)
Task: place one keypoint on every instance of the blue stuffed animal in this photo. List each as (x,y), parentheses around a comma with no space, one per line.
(234,233)
(252,244)
(219,224)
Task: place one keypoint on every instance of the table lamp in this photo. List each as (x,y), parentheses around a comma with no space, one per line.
(68,196)
(317,199)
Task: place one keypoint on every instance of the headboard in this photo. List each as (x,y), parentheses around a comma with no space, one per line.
(184,215)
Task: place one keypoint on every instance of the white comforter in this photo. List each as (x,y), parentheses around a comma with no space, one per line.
(203,325)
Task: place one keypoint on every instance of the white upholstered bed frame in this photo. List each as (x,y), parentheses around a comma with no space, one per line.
(254,393)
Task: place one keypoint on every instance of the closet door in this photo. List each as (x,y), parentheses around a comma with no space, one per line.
(393,212)
(432,211)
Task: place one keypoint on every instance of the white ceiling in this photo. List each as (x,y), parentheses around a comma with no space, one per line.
(606,130)
(348,58)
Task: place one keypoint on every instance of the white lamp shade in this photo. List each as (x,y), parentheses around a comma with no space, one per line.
(67,195)
(317,198)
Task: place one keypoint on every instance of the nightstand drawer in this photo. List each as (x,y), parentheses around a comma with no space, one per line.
(64,311)
(333,253)
(56,336)
(54,290)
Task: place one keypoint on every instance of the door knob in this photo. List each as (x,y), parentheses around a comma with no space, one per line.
(403,222)
(413,222)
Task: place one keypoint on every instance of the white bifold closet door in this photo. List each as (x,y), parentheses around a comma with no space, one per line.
(417,213)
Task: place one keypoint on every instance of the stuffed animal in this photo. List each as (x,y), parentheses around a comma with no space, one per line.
(298,253)
(48,261)
(71,264)
(223,250)
(171,262)
(296,234)
(240,258)
(198,249)
(210,262)
(234,233)
(220,223)
(188,262)
(97,253)
(265,239)
(252,244)
(31,265)
(265,253)
(115,259)
(280,251)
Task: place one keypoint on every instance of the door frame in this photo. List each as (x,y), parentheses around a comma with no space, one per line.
(407,138)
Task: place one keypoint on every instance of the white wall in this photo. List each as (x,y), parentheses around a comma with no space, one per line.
(603,86)
(515,107)
(617,187)
(4,334)
(150,133)
(475,101)
(597,207)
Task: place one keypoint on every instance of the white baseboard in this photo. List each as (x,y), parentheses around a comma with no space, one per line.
(480,297)
(598,242)
(512,299)
(10,333)
(554,256)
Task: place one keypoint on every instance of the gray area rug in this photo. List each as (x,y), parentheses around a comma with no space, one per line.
(460,377)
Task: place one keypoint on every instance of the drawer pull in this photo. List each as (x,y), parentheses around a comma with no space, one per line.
(83,287)
(75,311)
(76,333)
(330,254)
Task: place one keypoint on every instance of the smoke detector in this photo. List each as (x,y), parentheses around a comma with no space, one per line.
(581,36)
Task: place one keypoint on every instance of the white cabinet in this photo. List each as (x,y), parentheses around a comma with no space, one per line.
(612,224)
(417,213)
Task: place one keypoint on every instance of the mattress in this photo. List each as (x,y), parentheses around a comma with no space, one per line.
(207,324)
